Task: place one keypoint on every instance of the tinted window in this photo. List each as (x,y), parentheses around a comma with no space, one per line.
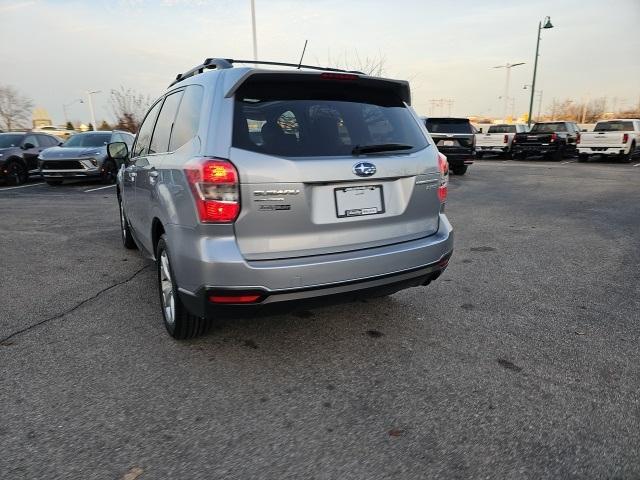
(144,133)
(549,127)
(31,139)
(448,125)
(502,129)
(187,121)
(319,118)
(8,140)
(45,141)
(613,127)
(88,140)
(162,132)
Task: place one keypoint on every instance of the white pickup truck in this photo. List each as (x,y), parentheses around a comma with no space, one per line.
(620,138)
(498,139)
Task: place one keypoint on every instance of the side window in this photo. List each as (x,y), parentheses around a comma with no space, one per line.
(44,141)
(188,119)
(31,139)
(162,132)
(116,137)
(146,129)
(128,139)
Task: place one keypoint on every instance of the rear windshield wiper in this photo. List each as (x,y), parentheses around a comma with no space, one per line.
(382,147)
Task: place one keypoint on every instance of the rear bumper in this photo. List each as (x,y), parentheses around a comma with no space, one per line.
(215,265)
(458,159)
(538,148)
(493,148)
(602,150)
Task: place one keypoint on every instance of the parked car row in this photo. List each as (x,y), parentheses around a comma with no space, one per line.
(83,155)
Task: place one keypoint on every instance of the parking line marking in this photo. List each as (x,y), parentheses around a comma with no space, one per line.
(637,165)
(22,186)
(99,188)
(570,161)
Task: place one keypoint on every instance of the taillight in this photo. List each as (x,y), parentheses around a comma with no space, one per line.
(554,137)
(578,138)
(443,168)
(625,138)
(505,139)
(214,185)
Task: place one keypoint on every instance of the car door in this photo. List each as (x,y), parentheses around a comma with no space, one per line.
(147,168)
(31,150)
(137,157)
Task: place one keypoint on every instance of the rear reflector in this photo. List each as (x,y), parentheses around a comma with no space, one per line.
(338,76)
(505,139)
(625,138)
(235,298)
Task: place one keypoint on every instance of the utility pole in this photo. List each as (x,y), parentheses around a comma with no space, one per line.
(253,27)
(547,24)
(539,104)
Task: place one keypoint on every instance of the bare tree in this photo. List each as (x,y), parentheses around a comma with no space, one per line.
(15,109)
(374,65)
(129,108)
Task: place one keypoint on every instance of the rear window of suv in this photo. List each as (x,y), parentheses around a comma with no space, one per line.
(448,125)
(549,127)
(320,118)
(502,129)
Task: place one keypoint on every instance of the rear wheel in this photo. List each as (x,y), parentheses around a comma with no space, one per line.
(479,155)
(557,155)
(109,172)
(16,173)
(178,321)
(582,158)
(54,183)
(125,229)
(521,156)
(626,157)
(459,170)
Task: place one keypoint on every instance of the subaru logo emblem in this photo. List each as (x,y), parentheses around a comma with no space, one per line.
(364,169)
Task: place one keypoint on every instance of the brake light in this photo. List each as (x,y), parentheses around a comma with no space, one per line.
(625,138)
(214,185)
(578,138)
(505,139)
(554,137)
(338,76)
(443,168)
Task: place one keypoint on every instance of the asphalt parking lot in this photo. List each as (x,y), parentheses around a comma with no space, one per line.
(521,361)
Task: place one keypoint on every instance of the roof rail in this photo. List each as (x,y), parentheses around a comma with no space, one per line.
(228,63)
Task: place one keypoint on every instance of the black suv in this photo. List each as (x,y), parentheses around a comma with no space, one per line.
(455,138)
(554,140)
(19,154)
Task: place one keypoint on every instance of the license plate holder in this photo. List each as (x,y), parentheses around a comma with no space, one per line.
(358,201)
(447,143)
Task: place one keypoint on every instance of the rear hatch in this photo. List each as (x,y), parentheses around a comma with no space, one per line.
(309,183)
(452,135)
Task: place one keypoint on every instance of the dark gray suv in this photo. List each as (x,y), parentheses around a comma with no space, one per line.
(19,154)
(255,187)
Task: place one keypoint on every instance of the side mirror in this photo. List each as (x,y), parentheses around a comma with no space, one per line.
(118,151)
(28,146)
(481,130)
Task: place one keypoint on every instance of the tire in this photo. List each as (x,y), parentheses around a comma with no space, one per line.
(54,183)
(626,158)
(459,170)
(520,156)
(108,172)
(479,155)
(558,155)
(582,158)
(179,322)
(125,229)
(508,155)
(16,173)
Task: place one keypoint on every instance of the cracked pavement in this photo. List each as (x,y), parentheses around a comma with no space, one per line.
(521,361)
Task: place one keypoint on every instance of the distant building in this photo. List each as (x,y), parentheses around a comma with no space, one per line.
(41,118)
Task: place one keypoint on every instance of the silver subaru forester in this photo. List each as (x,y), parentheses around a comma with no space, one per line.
(254,188)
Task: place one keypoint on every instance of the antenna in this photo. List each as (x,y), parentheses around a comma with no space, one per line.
(302,56)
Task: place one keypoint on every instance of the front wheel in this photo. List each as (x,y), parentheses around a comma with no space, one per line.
(179,322)
(16,173)
(459,170)
(125,229)
(108,172)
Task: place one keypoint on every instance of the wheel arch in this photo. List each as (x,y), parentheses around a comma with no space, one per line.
(157,230)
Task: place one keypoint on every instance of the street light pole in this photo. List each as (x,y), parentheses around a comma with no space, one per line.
(508,66)
(93,116)
(253,27)
(547,24)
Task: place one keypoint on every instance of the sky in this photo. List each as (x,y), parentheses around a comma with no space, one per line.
(54,50)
